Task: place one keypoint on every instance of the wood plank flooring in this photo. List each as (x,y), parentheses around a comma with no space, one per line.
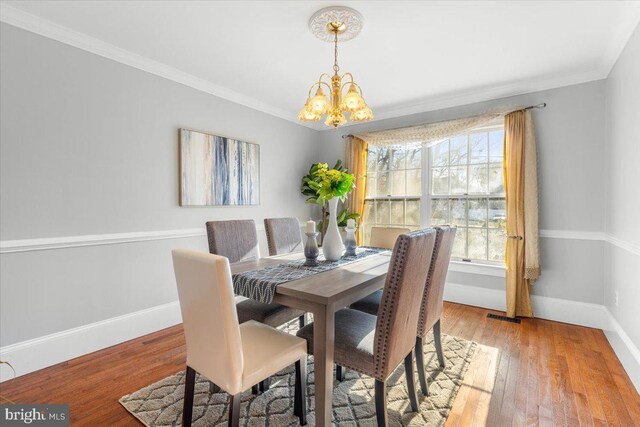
(536,373)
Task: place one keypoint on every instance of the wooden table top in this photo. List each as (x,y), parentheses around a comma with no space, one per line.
(329,286)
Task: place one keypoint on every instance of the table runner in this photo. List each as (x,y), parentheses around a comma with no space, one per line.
(260,285)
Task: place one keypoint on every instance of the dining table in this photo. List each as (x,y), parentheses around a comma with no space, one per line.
(323,294)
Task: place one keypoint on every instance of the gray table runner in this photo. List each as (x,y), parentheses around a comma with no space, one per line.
(261,284)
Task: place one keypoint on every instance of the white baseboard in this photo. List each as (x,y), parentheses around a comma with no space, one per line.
(559,310)
(627,352)
(38,353)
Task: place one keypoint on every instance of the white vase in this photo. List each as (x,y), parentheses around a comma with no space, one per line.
(332,246)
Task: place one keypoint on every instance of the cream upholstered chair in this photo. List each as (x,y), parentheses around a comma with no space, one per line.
(385,237)
(283,235)
(237,240)
(234,356)
(376,345)
(431,307)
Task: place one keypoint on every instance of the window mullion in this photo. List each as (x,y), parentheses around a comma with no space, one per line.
(425,191)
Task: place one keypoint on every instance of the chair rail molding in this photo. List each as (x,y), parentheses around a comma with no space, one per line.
(48,243)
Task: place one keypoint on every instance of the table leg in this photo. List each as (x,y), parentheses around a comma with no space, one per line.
(323,339)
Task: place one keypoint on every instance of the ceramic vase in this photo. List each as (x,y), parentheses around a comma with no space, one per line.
(332,246)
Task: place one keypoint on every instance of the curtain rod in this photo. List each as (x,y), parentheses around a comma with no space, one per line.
(531,107)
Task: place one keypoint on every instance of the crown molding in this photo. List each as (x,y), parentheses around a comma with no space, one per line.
(482,95)
(26,21)
(18,18)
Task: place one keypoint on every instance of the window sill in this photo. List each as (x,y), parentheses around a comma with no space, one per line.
(478,268)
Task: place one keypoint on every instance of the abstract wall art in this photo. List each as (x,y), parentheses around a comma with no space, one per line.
(218,171)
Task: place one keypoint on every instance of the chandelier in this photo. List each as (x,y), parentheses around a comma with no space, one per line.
(333,24)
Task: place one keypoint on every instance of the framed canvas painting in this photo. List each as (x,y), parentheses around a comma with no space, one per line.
(218,171)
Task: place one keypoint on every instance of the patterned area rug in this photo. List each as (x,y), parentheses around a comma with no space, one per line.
(160,404)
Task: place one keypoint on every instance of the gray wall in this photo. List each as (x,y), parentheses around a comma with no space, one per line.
(622,271)
(570,134)
(90,146)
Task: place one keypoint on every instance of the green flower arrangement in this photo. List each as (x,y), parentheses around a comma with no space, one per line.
(322,184)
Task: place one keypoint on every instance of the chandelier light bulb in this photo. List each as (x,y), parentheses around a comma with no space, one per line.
(335,119)
(306,114)
(319,103)
(362,115)
(352,101)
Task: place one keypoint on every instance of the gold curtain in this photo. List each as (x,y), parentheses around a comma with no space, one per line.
(521,190)
(356,163)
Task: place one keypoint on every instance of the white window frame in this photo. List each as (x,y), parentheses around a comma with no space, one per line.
(484,267)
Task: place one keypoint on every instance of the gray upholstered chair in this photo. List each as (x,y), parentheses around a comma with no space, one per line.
(375,346)
(431,307)
(233,355)
(381,237)
(283,235)
(237,240)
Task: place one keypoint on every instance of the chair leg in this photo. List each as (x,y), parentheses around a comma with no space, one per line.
(381,404)
(213,388)
(302,320)
(300,397)
(265,384)
(234,410)
(339,373)
(411,387)
(189,388)
(419,350)
(437,341)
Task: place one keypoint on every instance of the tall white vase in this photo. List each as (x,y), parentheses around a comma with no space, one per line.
(332,246)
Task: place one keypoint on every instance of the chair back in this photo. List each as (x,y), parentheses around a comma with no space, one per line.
(236,240)
(283,235)
(209,318)
(431,308)
(400,305)
(385,237)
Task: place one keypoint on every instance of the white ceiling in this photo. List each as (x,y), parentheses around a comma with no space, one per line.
(410,56)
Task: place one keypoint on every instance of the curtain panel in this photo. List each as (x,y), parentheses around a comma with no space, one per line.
(356,163)
(521,192)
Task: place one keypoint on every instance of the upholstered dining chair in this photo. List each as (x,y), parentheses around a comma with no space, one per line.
(237,240)
(375,346)
(431,307)
(381,237)
(283,235)
(232,355)
(385,237)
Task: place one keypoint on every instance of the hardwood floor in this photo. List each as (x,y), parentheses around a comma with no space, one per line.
(536,373)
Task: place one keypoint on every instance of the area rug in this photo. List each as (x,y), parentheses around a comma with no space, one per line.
(160,404)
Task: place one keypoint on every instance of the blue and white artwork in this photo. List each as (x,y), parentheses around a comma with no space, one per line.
(215,170)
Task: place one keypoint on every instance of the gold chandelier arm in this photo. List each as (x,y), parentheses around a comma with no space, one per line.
(324,75)
(351,83)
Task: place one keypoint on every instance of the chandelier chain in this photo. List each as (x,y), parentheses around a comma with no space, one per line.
(336,68)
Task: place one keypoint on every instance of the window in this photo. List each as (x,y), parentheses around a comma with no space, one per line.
(394,188)
(464,183)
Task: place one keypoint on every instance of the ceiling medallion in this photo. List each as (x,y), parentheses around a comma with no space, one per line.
(335,24)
